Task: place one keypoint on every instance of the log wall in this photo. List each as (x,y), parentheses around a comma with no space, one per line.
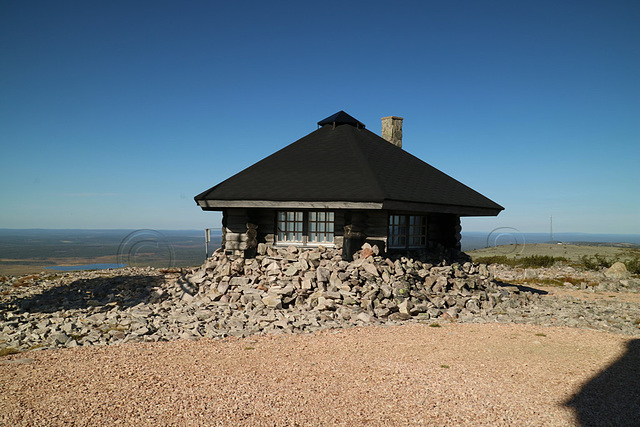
(244,229)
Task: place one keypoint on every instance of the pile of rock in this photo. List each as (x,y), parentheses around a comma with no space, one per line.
(318,280)
(284,290)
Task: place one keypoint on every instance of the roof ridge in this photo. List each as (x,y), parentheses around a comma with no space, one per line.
(365,165)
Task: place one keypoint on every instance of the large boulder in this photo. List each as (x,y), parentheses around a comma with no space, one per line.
(617,271)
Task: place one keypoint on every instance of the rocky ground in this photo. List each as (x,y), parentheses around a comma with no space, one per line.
(285,291)
(572,252)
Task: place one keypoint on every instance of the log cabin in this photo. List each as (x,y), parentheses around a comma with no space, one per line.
(341,186)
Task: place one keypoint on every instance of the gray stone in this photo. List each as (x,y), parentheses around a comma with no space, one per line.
(617,271)
(59,338)
(272,301)
(291,270)
(325,304)
(405,306)
(323,274)
(381,312)
(399,316)
(364,317)
(371,269)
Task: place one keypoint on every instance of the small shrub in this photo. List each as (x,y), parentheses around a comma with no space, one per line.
(445,366)
(541,261)
(603,261)
(588,262)
(526,262)
(633,265)
(496,259)
(434,325)
(596,262)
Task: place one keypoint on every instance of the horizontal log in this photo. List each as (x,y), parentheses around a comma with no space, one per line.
(236,237)
(241,246)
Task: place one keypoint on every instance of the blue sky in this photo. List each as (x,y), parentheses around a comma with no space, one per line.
(115,114)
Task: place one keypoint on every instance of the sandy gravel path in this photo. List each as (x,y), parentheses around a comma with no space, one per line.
(456,374)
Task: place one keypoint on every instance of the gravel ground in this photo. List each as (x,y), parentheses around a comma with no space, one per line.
(413,374)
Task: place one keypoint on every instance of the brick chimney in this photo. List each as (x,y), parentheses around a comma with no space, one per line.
(392,130)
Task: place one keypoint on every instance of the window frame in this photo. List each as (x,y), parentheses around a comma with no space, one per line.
(291,220)
(321,223)
(403,229)
(320,227)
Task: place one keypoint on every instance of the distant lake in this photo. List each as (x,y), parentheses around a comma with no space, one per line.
(85,267)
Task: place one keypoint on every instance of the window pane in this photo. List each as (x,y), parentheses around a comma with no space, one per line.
(407,231)
(321,226)
(288,228)
(417,231)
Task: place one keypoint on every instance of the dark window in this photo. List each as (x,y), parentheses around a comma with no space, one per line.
(407,231)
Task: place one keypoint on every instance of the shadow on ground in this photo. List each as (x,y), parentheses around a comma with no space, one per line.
(611,398)
(123,291)
(522,288)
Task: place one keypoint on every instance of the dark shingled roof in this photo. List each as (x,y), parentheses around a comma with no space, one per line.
(348,163)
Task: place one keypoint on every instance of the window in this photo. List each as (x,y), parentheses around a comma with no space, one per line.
(397,231)
(290,226)
(407,231)
(306,227)
(320,227)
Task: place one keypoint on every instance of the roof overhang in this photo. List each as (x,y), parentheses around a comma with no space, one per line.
(218,205)
(392,205)
(396,205)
